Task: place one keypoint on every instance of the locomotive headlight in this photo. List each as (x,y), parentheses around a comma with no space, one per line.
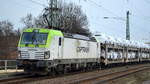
(46,55)
(19,54)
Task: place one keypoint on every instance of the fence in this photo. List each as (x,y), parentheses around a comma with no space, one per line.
(8,64)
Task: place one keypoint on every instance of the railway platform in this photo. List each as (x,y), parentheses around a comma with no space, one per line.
(10,71)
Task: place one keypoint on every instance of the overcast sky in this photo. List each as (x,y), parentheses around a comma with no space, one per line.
(115,26)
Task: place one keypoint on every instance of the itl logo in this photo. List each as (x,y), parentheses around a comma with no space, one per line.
(83,49)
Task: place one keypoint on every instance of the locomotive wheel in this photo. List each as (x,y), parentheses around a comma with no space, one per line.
(51,71)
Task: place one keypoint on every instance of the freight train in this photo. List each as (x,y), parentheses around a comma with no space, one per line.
(48,51)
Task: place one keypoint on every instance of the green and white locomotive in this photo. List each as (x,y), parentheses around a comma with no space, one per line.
(48,51)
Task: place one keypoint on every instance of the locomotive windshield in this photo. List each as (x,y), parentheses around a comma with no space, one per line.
(34,38)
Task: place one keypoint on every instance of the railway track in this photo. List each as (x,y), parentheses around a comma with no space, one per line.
(14,78)
(100,79)
(89,77)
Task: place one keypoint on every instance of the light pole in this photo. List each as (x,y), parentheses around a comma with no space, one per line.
(127,27)
(127,23)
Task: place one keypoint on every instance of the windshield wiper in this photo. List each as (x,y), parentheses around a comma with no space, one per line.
(33,37)
(26,44)
(34,40)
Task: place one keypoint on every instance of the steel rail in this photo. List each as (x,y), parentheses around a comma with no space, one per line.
(99,79)
(13,78)
(30,78)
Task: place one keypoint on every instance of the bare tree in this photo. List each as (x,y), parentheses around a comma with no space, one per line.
(39,22)
(28,21)
(71,19)
(6,28)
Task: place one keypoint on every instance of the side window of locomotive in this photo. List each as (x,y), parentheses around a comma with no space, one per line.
(60,41)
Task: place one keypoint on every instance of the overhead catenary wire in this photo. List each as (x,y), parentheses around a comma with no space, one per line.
(21,5)
(116,17)
(139,18)
(38,3)
(139,12)
(119,18)
(107,10)
(147,1)
(104,26)
(100,6)
(35,2)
